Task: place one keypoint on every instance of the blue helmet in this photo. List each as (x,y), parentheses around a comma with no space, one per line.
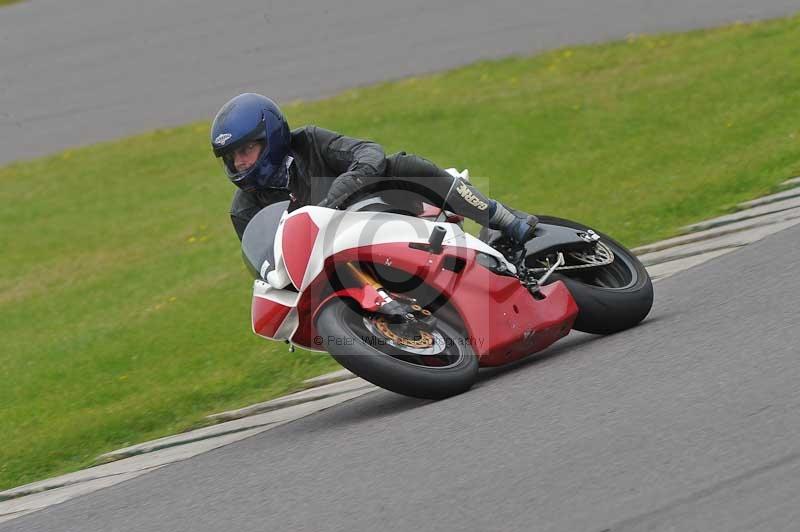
(253,118)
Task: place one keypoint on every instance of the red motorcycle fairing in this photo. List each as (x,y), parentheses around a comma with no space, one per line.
(299,235)
(504,322)
(268,316)
(366,296)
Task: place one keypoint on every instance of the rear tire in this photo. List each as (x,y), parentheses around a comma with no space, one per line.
(348,338)
(608,309)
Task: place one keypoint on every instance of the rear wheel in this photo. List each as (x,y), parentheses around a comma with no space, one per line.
(429,362)
(612,297)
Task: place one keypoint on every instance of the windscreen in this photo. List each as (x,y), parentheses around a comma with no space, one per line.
(259,239)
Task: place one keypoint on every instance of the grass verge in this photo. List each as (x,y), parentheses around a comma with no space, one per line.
(125,308)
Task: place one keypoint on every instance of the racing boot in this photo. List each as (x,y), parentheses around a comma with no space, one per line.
(518,226)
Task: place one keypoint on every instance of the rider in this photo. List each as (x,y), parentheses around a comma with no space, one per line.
(311,165)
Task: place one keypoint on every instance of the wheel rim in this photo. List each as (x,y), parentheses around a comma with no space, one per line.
(619,275)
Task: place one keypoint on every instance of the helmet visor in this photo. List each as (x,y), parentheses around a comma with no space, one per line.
(240,160)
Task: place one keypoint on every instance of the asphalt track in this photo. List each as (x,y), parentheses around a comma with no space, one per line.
(77,72)
(690,421)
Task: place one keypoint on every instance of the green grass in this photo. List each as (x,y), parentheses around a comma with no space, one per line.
(124,303)
(9,2)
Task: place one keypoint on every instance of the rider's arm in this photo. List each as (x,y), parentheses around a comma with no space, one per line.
(348,155)
(353,160)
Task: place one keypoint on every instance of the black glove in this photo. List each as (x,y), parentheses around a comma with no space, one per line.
(343,188)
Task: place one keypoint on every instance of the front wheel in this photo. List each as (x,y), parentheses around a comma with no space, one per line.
(610,298)
(426,362)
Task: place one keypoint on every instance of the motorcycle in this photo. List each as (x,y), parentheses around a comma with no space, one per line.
(398,293)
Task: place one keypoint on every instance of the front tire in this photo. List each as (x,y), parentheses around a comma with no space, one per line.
(352,339)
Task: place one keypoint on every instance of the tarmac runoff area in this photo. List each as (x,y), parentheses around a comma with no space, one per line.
(703,242)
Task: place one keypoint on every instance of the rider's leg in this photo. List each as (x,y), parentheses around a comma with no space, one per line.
(463,197)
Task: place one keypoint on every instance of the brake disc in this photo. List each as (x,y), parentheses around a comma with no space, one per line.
(423,341)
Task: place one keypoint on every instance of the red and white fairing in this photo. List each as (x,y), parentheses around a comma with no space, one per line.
(503,321)
(307,237)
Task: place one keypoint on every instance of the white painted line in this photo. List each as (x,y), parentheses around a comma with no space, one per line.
(661,271)
(741,238)
(784,205)
(772,198)
(313,394)
(716,232)
(329,378)
(19,507)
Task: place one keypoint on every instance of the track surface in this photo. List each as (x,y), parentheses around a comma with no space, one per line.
(690,421)
(77,72)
